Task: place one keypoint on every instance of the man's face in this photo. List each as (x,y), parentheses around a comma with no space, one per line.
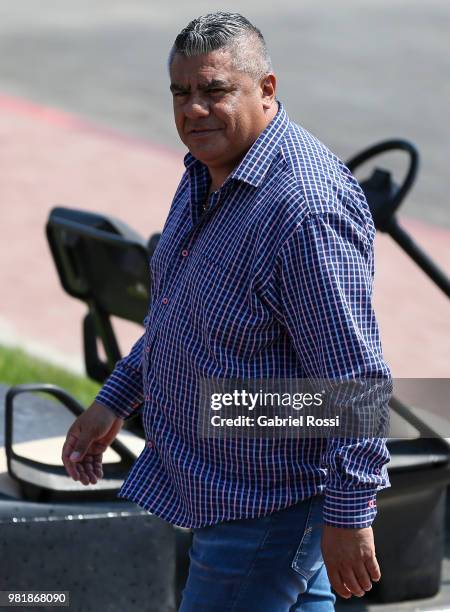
(219,111)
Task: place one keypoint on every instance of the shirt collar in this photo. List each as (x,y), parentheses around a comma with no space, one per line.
(253,168)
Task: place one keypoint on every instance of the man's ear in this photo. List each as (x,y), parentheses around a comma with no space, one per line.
(268,87)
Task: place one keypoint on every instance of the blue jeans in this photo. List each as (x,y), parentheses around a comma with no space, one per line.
(268,564)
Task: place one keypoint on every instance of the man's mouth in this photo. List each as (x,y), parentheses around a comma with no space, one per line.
(203,131)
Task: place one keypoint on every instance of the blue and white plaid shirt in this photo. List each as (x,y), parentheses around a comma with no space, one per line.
(273,281)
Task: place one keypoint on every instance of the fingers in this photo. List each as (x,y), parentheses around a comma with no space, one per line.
(81,446)
(68,448)
(351,582)
(373,569)
(98,468)
(338,584)
(348,582)
(350,559)
(92,465)
(87,439)
(88,466)
(363,577)
(84,478)
(88,469)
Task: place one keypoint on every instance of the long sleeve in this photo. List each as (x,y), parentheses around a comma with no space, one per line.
(123,390)
(325,275)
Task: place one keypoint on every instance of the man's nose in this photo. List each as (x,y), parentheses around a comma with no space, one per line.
(196,107)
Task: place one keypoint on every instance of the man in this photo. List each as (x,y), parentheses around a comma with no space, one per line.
(263,270)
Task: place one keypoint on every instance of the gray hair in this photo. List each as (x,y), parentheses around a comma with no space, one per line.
(230,32)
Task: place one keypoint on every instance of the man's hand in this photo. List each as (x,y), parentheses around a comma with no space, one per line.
(87,439)
(349,556)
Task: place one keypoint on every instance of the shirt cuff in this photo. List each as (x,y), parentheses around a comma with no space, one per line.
(121,394)
(353,509)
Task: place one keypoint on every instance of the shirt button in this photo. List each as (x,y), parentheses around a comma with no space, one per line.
(150,444)
(185,253)
(377,470)
(147,349)
(165,300)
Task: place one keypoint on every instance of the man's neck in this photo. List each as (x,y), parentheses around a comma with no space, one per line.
(218,177)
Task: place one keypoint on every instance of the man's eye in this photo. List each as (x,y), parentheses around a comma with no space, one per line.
(179,94)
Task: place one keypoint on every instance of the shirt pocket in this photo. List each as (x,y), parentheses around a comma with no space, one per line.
(220,305)
(308,558)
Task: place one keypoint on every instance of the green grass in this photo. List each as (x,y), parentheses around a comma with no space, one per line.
(17,367)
